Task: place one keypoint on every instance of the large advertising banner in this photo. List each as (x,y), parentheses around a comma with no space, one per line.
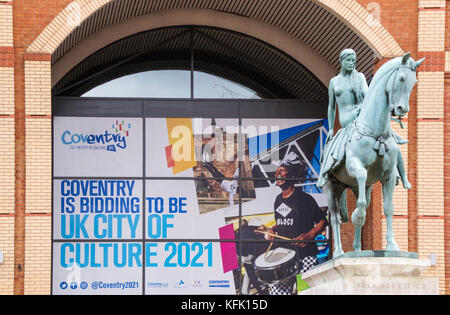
(102,147)
(173,211)
(97,268)
(97,206)
(92,209)
(284,157)
(169,205)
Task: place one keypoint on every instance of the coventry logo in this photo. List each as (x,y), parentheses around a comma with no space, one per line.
(109,140)
(284,210)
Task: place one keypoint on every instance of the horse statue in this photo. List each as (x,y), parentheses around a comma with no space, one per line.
(369,151)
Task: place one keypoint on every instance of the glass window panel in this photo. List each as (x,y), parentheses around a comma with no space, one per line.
(97,146)
(284,211)
(171,84)
(157,84)
(212,86)
(190,268)
(183,209)
(97,209)
(275,141)
(97,268)
(192,147)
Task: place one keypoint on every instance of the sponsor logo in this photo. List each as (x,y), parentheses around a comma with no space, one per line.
(83,285)
(283,209)
(219,283)
(197,284)
(157,285)
(180,284)
(109,140)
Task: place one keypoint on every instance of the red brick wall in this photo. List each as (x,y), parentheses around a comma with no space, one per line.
(447,157)
(447,178)
(447,25)
(29,19)
(400,19)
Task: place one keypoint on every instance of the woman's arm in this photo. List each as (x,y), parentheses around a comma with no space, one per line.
(331,110)
(364,86)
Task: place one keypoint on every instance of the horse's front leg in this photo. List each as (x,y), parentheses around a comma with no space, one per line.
(388,206)
(358,228)
(356,170)
(333,193)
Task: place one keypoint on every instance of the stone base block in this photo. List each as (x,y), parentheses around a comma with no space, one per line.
(371,273)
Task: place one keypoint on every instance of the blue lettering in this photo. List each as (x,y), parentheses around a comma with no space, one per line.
(105,253)
(119,218)
(134,251)
(85,263)
(83,138)
(64,191)
(122,142)
(63,255)
(173,205)
(90,139)
(149,253)
(99,139)
(79,226)
(96,226)
(76,138)
(182,204)
(93,262)
(68,138)
(133,225)
(121,188)
(63,138)
(70,233)
(158,227)
(116,255)
(84,205)
(130,186)
(167,225)
(97,255)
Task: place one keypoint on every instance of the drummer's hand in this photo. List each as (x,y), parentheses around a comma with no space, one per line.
(270,237)
(303,237)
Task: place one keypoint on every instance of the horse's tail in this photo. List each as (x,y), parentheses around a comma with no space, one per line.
(343,210)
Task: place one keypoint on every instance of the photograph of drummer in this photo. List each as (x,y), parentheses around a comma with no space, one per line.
(298,217)
(249,252)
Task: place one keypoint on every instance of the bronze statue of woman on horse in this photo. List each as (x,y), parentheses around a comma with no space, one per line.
(365,150)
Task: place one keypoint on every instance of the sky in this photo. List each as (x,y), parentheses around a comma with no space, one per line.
(170,84)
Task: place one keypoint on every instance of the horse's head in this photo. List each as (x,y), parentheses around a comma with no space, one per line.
(400,85)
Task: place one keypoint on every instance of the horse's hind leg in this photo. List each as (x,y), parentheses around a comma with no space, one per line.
(333,196)
(388,206)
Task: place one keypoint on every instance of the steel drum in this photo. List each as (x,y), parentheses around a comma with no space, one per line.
(277,265)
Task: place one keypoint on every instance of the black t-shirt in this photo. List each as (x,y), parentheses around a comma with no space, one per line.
(248,248)
(297,214)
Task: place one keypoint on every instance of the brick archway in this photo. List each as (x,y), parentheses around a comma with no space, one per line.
(350,12)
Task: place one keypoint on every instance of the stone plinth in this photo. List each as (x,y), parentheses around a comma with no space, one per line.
(371,273)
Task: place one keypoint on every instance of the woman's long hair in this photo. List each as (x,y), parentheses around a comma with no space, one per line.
(355,80)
